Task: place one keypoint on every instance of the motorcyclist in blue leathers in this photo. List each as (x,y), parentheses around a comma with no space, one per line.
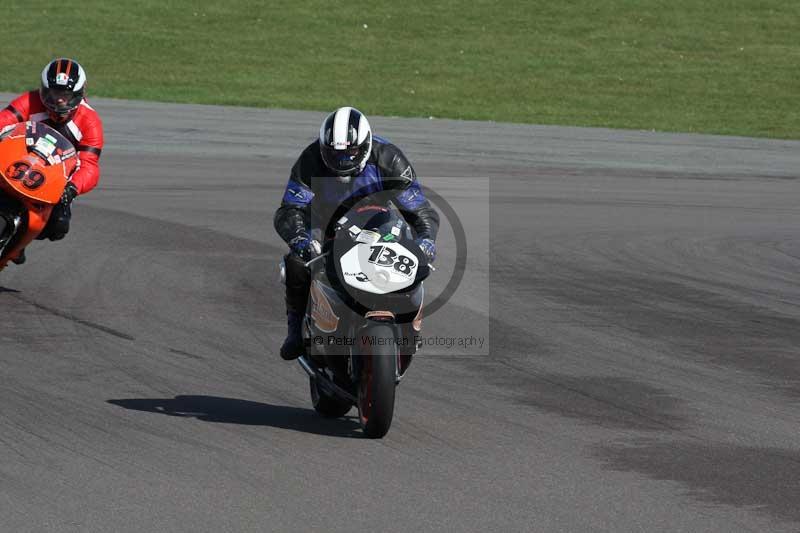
(346,163)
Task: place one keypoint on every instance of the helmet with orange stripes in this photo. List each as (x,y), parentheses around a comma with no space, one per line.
(63,87)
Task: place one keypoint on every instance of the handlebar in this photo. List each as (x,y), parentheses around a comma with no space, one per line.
(316,259)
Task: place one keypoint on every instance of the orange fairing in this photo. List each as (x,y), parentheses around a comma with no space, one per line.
(35,164)
(26,172)
(417,323)
(321,310)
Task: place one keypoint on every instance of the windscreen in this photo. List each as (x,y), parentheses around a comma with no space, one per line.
(47,143)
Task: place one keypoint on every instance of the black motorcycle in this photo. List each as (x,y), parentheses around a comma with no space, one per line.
(364,315)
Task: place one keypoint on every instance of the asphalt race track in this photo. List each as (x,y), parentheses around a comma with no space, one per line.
(637,294)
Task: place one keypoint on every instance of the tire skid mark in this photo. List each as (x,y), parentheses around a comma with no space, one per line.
(90,324)
(74,318)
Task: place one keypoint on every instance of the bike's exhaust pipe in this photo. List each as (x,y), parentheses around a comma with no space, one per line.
(323,382)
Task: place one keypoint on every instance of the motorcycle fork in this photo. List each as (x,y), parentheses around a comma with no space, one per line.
(15,228)
(353,360)
(11,227)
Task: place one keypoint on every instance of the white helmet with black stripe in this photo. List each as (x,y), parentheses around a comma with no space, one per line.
(345,142)
(63,88)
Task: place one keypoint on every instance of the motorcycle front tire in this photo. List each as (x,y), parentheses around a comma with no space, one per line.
(377,382)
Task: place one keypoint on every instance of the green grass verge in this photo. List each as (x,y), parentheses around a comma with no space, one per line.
(716,66)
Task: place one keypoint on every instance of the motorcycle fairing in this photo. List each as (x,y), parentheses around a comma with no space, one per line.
(35,164)
(325,319)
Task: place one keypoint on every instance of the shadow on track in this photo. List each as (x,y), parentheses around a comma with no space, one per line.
(234,411)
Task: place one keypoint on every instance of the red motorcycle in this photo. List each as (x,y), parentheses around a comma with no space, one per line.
(35,165)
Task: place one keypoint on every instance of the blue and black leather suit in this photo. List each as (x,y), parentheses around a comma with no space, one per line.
(311,200)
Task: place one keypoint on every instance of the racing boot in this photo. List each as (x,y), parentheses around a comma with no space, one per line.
(293,345)
(20,259)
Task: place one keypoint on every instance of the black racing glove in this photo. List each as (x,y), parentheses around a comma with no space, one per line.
(428,247)
(69,194)
(304,247)
(58,225)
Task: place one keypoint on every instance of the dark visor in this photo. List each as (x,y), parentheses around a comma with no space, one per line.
(62,98)
(342,159)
